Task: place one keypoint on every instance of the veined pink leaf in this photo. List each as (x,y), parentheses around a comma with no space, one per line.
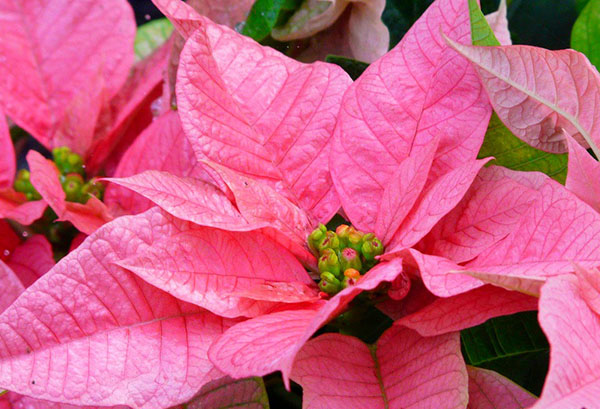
(185,19)
(583,177)
(188,199)
(89,332)
(26,402)
(489,390)
(14,205)
(260,113)
(403,370)
(87,217)
(11,286)
(162,146)
(589,287)
(224,393)
(279,291)
(557,230)
(61,47)
(573,331)
(401,193)
(437,200)
(417,298)
(259,203)
(226,12)
(415,93)
(32,259)
(270,342)
(467,310)
(490,210)
(499,24)
(8,165)
(525,284)
(143,85)
(207,267)
(537,93)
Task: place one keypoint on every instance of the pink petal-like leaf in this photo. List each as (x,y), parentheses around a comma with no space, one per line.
(467,310)
(32,259)
(589,286)
(187,198)
(583,177)
(207,267)
(270,342)
(226,12)
(557,230)
(90,333)
(258,112)
(414,94)
(403,370)
(537,93)
(225,393)
(143,85)
(185,19)
(490,210)
(499,24)
(8,165)
(10,284)
(26,402)
(401,193)
(162,146)
(14,205)
(67,54)
(573,331)
(437,200)
(87,217)
(9,240)
(489,390)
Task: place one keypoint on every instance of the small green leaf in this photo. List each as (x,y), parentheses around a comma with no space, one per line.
(150,36)
(586,32)
(580,5)
(264,15)
(513,346)
(513,153)
(354,68)
(481,32)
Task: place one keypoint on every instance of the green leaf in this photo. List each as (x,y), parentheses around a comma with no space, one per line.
(227,393)
(354,68)
(150,36)
(543,23)
(499,142)
(513,153)
(580,5)
(513,346)
(586,32)
(481,32)
(265,14)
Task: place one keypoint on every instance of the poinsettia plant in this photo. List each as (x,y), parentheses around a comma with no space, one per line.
(265,215)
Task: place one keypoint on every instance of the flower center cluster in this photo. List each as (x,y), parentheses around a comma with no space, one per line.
(72,178)
(344,255)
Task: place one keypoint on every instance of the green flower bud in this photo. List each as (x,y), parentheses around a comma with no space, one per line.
(329,262)
(329,284)
(371,248)
(316,237)
(331,241)
(342,231)
(67,161)
(72,185)
(60,154)
(92,187)
(355,240)
(349,258)
(348,282)
(23,184)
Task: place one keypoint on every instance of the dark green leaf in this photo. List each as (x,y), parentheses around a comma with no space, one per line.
(586,32)
(513,346)
(513,153)
(580,4)
(543,23)
(150,36)
(264,15)
(354,68)
(400,15)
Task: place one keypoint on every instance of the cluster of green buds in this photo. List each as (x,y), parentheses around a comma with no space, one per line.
(344,255)
(72,178)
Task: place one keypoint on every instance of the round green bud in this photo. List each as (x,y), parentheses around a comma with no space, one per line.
(72,184)
(371,248)
(331,241)
(316,236)
(329,262)
(92,187)
(329,283)
(349,258)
